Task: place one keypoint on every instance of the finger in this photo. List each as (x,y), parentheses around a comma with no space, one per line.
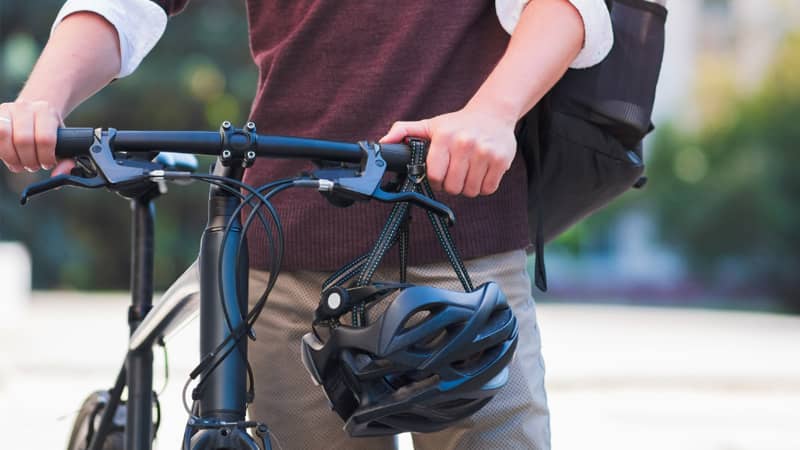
(7,152)
(491,181)
(457,169)
(23,138)
(63,167)
(437,161)
(473,183)
(400,130)
(45,126)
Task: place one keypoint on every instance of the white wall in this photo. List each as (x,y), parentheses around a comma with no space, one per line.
(15,280)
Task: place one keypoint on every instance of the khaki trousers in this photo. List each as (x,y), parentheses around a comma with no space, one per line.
(297,411)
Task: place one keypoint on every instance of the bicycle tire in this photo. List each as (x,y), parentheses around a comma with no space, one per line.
(87,420)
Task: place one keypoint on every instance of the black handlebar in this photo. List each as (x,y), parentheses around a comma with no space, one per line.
(236,149)
(74,142)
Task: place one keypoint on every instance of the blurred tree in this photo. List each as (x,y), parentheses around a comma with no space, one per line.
(727,194)
(199,74)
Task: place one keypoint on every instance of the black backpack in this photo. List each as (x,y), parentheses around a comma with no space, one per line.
(582,142)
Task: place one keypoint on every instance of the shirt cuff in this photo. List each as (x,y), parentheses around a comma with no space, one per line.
(139,24)
(598,34)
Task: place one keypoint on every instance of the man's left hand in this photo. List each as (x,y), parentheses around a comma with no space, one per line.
(470,149)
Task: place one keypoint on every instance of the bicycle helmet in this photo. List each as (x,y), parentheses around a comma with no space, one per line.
(431,358)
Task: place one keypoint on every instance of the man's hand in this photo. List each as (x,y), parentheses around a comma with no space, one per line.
(81,57)
(28,135)
(473,147)
(470,149)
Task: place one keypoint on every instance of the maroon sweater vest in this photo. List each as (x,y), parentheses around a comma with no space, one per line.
(346,70)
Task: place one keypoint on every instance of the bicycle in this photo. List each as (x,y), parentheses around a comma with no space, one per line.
(132,164)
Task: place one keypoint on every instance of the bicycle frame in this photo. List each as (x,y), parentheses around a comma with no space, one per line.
(218,416)
(197,290)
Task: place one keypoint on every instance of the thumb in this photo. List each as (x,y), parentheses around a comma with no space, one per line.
(400,130)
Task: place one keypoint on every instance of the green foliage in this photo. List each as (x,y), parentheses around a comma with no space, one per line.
(199,74)
(727,195)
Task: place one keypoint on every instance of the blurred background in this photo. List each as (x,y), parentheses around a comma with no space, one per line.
(702,264)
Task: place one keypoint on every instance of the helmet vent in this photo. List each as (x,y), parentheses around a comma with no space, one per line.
(477,361)
(431,342)
(419,317)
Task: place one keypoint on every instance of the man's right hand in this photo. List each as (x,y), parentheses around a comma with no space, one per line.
(28,135)
(81,57)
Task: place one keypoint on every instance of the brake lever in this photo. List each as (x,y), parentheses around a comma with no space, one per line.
(417,199)
(101,169)
(58,182)
(367,184)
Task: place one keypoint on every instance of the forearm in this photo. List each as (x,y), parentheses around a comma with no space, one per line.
(549,35)
(81,57)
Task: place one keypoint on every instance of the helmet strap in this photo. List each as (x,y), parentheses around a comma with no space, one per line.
(396,230)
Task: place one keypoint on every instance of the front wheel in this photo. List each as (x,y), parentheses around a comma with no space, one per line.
(88,420)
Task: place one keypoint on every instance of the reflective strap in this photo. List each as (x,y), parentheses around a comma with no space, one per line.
(396,230)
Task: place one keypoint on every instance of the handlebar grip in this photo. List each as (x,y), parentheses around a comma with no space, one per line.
(396,155)
(72,142)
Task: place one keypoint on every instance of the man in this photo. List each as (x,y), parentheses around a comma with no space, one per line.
(347,71)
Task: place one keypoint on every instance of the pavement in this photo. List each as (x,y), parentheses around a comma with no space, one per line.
(618,377)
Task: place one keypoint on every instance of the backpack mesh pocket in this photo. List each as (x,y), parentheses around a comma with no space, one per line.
(618,94)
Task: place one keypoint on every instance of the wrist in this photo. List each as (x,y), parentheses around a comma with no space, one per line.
(506,110)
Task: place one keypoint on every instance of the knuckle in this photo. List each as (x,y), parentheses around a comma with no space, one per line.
(445,136)
(459,151)
(470,192)
(463,141)
(52,113)
(489,189)
(435,177)
(451,190)
(499,162)
(40,105)
(46,140)
(22,105)
(452,187)
(401,126)
(485,152)
(499,159)
(23,137)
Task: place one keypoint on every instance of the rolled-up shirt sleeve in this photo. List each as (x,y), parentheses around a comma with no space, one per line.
(598,34)
(139,24)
